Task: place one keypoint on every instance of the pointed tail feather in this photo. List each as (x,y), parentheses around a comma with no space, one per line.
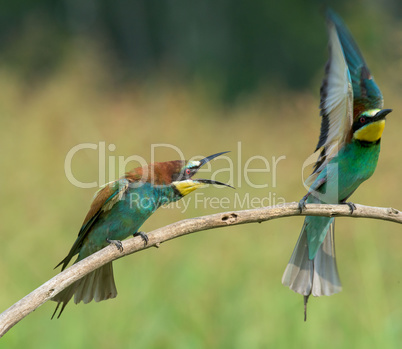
(318,276)
(64,297)
(98,285)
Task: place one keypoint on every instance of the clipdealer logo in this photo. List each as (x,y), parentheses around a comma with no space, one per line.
(241,171)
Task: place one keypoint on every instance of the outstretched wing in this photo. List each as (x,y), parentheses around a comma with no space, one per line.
(347,90)
(336,103)
(104,199)
(366,93)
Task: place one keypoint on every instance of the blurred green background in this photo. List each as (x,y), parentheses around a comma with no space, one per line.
(203,77)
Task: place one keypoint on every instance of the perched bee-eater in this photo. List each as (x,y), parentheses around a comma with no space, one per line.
(117,211)
(352,124)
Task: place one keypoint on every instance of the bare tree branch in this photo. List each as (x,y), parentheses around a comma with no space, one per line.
(29,303)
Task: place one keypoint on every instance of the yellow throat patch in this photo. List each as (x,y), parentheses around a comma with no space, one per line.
(371,132)
(186,187)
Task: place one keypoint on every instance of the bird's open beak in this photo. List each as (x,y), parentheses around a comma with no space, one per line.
(209,181)
(209,158)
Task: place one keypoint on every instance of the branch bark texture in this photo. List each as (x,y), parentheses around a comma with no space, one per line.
(36,298)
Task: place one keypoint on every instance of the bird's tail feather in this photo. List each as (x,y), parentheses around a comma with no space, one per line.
(318,276)
(98,285)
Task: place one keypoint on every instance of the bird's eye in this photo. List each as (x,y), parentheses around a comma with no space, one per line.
(188,171)
(362,120)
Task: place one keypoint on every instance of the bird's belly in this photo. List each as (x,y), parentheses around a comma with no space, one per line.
(344,174)
(355,167)
(354,170)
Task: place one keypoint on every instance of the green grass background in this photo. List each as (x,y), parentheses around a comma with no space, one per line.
(214,289)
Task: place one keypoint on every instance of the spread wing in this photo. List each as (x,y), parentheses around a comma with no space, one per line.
(347,90)
(104,199)
(336,103)
(366,93)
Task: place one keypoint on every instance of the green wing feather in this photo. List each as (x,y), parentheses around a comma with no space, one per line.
(366,93)
(347,90)
(104,199)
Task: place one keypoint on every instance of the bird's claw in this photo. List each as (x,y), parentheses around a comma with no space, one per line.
(143,236)
(117,243)
(352,206)
(302,204)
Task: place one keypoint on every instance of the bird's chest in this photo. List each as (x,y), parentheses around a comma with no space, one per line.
(353,165)
(358,162)
(136,206)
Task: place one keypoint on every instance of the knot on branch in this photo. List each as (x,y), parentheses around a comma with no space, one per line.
(393,211)
(229,218)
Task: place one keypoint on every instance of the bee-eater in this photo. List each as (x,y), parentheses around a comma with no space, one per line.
(352,124)
(117,211)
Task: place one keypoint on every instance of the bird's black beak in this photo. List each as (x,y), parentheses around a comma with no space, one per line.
(382,114)
(209,181)
(209,158)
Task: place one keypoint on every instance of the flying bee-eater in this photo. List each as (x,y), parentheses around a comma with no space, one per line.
(351,128)
(117,211)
